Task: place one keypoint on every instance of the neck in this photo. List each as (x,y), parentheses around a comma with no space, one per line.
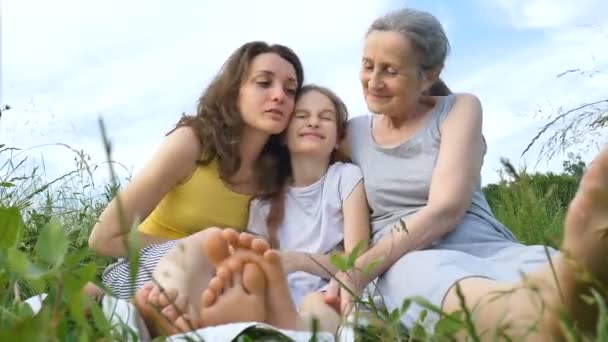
(306,170)
(413,114)
(250,147)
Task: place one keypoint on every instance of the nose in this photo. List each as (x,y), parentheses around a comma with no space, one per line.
(375,81)
(313,121)
(278,94)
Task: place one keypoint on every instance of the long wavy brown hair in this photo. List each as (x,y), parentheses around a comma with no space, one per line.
(276,213)
(219,125)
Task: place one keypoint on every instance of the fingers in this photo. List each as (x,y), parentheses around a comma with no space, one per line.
(346,303)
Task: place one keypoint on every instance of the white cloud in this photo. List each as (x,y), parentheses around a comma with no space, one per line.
(141,64)
(520,89)
(553,13)
(525,79)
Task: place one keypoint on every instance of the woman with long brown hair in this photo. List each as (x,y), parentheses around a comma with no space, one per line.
(208,168)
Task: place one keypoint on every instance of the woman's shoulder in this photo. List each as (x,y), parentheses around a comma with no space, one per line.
(179,152)
(456,106)
(186,137)
(463,100)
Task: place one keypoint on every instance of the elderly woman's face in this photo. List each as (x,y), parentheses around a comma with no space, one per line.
(392,83)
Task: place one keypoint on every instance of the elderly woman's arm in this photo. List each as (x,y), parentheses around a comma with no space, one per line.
(454,179)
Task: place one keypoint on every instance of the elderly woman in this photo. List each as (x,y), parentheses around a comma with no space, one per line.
(421,153)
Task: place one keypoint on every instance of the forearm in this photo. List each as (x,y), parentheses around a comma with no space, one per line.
(418,232)
(110,234)
(317,264)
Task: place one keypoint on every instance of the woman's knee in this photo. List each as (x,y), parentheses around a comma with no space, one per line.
(408,266)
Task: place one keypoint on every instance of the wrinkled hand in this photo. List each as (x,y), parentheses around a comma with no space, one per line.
(337,295)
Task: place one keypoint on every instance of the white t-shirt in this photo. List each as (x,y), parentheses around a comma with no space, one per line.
(313,221)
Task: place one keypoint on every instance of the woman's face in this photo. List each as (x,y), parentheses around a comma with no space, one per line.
(267,94)
(390,74)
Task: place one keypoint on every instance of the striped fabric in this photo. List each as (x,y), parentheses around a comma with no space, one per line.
(117,276)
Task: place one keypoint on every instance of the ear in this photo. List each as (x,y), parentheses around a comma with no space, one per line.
(430,77)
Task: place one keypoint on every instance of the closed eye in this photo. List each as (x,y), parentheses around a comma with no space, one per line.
(391,71)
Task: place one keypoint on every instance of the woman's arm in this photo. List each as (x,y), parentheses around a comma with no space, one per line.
(356,220)
(173,162)
(356,231)
(317,264)
(454,179)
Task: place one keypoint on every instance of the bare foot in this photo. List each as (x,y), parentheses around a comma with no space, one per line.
(534,309)
(160,309)
(244,241)
(281,311)
(236,294)
(585,244)
(160,316)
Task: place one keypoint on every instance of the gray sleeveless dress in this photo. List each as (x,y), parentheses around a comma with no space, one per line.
(397,182)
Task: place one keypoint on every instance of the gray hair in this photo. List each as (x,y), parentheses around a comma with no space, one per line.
(423,29)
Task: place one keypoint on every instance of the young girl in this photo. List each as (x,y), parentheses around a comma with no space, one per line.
(206,171)
(322,209)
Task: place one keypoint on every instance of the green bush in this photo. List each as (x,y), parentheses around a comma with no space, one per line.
(533,206)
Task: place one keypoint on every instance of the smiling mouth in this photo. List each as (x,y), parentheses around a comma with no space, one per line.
(319,136)
(377,96)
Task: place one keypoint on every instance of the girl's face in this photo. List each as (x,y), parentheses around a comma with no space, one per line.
(267,95)
(313,126)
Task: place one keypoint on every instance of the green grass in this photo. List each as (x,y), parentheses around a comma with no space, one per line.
(45,224)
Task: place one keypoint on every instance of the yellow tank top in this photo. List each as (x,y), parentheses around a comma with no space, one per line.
(201,202)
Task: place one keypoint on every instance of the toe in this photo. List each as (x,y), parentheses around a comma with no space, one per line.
(216,284)
(223,272)
(235,265)
(154,296)
(208,298)
(167,297)
(215,247)
(254,281)
(231,236)
(184,324)
(272,257)
(170,313)
(245,240)
(260,246)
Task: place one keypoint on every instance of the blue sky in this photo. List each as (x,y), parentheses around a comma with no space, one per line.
(140,64)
